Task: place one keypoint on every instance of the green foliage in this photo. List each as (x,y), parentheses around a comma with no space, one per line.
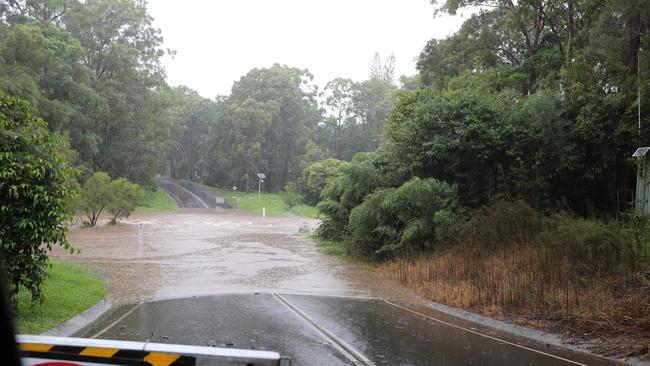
(95,196)
(33,195)
(236,144)
(100,193)
(125,196)
(352,184)
(267,120)
(336,248)
(570,68)
(290,195)
(68,290)
(458,136)
(355,115)
(314,178)
(408,219)
(92,69)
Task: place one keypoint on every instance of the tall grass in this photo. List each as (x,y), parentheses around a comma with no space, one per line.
(591,275)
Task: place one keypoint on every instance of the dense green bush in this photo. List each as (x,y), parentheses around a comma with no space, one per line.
(345,191)
(458,136)
(315,177)
(411,218)
(33,195)
(125,197)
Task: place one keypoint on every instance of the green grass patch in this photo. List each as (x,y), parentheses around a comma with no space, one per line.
(156,201)
(68,290)
(272,202)
(304,210)
(335,248)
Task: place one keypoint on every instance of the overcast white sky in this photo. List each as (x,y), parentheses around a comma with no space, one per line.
(218,41)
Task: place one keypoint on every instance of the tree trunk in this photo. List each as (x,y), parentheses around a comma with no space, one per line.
(570,30)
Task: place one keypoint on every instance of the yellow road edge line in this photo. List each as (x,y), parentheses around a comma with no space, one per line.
(115,322)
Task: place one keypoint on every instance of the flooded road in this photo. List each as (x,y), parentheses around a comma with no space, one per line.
(209,251)
(225,278)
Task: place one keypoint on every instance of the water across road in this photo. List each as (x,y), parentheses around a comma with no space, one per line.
(226,278)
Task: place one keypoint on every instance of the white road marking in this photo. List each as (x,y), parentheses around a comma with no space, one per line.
(347,350)
(190,192)
(484,335)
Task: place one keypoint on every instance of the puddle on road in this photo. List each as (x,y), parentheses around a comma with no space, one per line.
(212,251)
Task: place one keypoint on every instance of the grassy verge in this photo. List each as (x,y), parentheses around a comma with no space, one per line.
(272,202)
(69,290)
(304,211)
(156,201)
(332,247)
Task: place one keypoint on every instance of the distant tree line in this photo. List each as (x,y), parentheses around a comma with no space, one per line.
(278,122)
(92,71)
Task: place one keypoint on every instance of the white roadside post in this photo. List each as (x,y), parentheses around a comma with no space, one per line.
(236,196)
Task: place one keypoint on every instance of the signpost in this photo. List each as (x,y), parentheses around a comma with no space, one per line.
(260,177)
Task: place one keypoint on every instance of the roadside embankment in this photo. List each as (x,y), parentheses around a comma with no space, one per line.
(156,200)
(584,279)
(273,203)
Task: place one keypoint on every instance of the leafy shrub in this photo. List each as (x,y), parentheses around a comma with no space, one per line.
(33,195)
(124,198)
(95,196)
(315,177)
(290,195)
(100,193)
(411,218)
(342,193)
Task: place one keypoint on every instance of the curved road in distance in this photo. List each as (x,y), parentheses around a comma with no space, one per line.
(186,194)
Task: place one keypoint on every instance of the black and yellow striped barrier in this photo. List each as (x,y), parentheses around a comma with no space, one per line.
(43,350)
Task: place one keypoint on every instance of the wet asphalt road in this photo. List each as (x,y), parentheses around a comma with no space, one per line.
(185,195)
(326,330)
(224,278)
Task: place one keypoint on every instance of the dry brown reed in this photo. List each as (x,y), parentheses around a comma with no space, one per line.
(510,259)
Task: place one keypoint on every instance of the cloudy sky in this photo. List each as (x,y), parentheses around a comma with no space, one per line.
(218,41)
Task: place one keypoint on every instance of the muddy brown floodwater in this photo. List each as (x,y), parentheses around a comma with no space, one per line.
(214,251)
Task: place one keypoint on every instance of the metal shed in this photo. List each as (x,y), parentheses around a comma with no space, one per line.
(642,197)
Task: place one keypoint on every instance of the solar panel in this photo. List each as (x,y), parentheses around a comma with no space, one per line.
(641,152)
